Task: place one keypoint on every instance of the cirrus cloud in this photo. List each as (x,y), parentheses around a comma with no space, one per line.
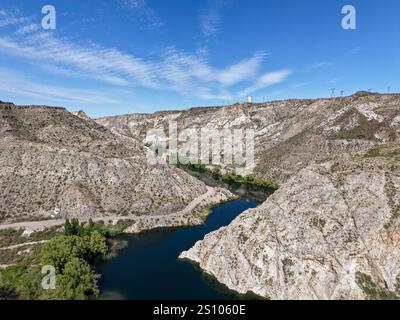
(267,80)
(183,72)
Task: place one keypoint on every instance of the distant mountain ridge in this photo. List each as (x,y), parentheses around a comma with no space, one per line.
(289,134)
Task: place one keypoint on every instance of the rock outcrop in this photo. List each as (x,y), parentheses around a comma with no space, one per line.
(331,232)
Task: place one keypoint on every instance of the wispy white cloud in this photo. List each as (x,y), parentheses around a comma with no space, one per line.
(267,80)
(17,84)
(29,28)
(179,67)
(186,73)
(105,64)
(142,10)
(318,65)
(244,70)
(10,19)
(211,20)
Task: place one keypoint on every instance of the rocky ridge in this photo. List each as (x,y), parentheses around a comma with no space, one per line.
(289,134)
(331,232)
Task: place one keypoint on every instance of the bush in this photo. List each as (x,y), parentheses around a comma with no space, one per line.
(194,174)
(77,282)
(197,167)
(19,282)
(58,251)
(73,256)
(216,173)
(74,228)
(251,181)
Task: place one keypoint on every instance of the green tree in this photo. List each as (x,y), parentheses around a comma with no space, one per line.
(77,282)
(89,227)
(58,251)
(67,228)
(198,167)
(73,258)
(73,255)
(94,245)
(18,281)
(10,280)
(31,284)
(73,227)
(77,228)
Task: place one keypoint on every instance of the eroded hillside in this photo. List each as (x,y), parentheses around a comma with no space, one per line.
(55,163)
(331,232)
(289,134)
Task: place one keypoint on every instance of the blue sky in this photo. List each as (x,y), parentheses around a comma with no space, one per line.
(124,56)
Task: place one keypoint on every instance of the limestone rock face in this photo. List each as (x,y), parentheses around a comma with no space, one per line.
(289,134)
(331,232)
(53,161)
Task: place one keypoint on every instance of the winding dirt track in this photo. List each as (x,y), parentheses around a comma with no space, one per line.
(21,245)
(38,225)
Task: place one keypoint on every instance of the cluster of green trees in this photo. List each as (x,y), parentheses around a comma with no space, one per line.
(251,181)
(19,282)
(73,255)
(194,169)
(197,167)
(75,228)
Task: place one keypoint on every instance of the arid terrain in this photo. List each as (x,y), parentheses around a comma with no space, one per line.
(55,164)
(289,134)
(331,231)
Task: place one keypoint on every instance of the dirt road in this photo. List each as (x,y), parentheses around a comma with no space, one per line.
(39,225)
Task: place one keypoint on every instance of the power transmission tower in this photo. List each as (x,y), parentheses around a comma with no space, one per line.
(333,92)
(389,89)
(341,93)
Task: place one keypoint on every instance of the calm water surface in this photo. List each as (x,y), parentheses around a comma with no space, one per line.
(148,268)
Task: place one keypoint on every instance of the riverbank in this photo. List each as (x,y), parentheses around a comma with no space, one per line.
(194,214)
(194,217)
(21,243)
(149,268)
(250,186)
